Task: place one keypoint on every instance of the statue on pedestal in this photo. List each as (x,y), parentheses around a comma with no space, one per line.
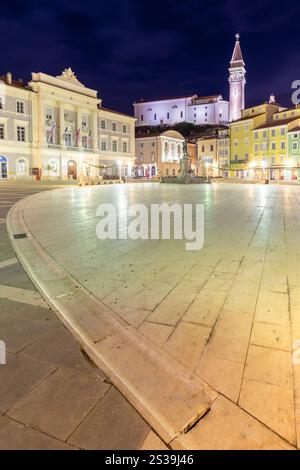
(184,172)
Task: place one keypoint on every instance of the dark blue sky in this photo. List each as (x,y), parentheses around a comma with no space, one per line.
(129,49)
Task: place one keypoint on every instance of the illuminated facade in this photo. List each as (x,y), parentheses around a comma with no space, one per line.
(265,143)
(237,82)
(158,154)
(194,109)
(56,128)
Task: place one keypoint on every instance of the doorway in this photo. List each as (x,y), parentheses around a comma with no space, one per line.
(72,170)
(3,167)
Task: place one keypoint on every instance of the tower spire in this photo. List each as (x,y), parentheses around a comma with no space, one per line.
(237,81)
(237,56)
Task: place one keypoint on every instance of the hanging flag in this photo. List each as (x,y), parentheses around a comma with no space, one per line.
(51,133)
(89,138)
(76,135)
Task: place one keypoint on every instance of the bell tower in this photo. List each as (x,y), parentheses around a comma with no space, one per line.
(237,82)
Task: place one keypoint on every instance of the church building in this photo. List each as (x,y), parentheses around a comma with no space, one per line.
(199,110)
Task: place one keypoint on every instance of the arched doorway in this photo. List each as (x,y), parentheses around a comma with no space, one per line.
(3,167)
(22,167)
(72,169)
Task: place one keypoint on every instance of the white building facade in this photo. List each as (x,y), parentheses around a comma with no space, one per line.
(194,109)
(158,154)
(56,128)
(199,110)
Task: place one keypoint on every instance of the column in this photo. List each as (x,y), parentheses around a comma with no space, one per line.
(95,130)
(61,135)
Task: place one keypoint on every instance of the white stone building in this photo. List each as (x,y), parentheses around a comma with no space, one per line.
(194,109)
(56,128)
(199,110)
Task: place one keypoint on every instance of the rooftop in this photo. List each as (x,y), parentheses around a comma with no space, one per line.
(115,112)
(277,123)
(15,83)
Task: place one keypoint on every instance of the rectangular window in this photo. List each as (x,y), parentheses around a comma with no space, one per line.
(2,131)
(103,124)
(154,117)
(255,135)
(168,115)
(21,134)
(264,134)
(273,132)
(84,141)
(295,145)
(103,145)
(181,114)
(1,103)
(282,131)
(20,107)
(125,147)
(142,117)
(68,140)
(211,148)
(84,122)
(282,145)
(114,126)
(273,146)
(49,115)
(114,146)
(124,129)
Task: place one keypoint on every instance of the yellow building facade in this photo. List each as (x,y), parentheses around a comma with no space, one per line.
(241,137)
(260,144)
(208,156)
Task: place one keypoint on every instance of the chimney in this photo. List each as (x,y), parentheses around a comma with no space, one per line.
(9,78)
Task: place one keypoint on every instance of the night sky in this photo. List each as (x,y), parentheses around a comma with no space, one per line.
(128,49)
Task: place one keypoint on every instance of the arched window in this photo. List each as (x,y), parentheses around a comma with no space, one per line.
(166,147)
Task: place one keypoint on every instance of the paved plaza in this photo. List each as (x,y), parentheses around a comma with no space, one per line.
(228,314)
(51,395)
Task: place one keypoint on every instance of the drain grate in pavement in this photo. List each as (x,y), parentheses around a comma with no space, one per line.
(17,236)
